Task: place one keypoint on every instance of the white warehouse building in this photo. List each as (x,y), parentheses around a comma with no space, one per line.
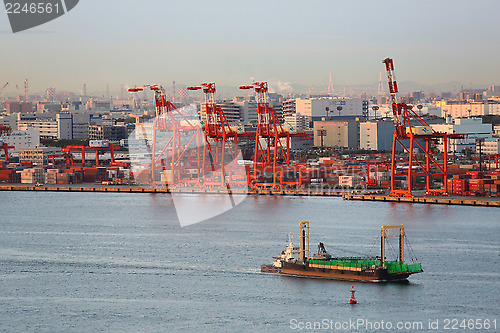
(316,107)
(472,127)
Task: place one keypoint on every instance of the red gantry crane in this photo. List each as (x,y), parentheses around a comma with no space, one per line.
(221,139)
(68,158)
(169,156)
(68,150)
(4,146)
(409,129)
(272,143)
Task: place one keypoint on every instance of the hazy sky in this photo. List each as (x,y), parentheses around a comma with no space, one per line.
(156,41)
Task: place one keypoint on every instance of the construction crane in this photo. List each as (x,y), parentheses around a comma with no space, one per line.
(19,96)
(409,130)
(2,89)
(182,133)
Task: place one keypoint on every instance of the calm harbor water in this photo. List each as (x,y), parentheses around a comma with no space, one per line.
(86,262)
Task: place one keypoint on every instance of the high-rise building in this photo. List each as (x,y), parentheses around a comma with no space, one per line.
(296,122)
(81,123)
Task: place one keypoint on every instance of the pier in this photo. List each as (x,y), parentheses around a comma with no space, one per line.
(466,201)
(440,200)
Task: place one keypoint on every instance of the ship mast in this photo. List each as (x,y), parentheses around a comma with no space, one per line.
(386,233)
(304,238)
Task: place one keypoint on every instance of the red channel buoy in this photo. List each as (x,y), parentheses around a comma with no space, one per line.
(353,299)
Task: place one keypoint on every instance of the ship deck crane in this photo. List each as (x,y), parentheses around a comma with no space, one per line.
(410,127)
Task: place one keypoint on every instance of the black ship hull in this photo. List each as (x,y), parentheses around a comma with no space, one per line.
(375,274)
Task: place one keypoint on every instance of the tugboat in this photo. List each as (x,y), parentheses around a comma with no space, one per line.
(294,260)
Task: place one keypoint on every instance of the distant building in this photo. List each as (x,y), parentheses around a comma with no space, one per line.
(19,107)
(240,110)
(236,110)
(248,111)
(416,96)
(64,126)
(46,128)
(81,123)
(55,128)
(9,121)
(316,108)
(107,132)
(289,107)
(460,109)
(99,105)
(21,139)
(231,110)
(493,91)
(336,134)
(489,147)
(49,106)
(472,127)
(296,122)
(298,143)
(38,155)
(376,135)
(496,130)
(278,109)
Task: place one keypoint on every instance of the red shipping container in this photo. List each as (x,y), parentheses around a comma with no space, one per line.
(476,174)
(89,178)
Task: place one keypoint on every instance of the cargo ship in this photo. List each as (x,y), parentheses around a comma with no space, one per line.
(294,260)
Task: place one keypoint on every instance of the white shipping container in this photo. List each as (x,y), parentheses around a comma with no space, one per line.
(420,130)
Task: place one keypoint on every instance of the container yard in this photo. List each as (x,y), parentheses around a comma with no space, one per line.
(213,155)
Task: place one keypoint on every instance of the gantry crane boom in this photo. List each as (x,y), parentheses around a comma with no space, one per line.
(410,127)
(393,90)
(171,120)
(220,138)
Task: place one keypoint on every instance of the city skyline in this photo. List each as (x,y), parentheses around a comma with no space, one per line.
(283,42)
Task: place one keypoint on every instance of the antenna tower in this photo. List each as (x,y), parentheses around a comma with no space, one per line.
(26,90)
(330,85)
(380,86)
